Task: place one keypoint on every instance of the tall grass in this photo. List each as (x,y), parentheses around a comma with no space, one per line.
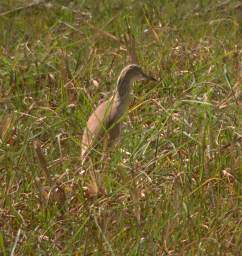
(173,183)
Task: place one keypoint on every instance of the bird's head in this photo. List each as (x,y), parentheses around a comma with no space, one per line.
(134,72)
(129,74)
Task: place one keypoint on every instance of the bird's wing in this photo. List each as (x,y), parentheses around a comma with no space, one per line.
(96,125)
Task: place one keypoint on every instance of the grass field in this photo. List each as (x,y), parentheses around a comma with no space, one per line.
(173,183)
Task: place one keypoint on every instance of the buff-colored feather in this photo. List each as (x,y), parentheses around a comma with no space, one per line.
(105,120)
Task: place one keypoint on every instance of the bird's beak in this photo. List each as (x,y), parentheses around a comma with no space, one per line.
(149,78)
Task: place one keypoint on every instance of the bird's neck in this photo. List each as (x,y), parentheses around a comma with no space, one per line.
(121,100)
(123,89)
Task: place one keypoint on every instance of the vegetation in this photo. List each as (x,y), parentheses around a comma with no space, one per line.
(173,183)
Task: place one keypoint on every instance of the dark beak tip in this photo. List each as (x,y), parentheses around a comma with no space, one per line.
(152,78)
(149,78)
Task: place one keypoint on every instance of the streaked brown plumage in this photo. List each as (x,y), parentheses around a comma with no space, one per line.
(106,117)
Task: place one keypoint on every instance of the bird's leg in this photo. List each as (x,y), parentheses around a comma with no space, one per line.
(108,144)
(105,155)
(114,137)
(95,186)
(114,134)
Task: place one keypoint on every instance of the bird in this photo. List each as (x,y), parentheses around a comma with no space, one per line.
(106,118)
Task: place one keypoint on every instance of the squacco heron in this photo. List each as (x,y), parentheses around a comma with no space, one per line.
(106,118)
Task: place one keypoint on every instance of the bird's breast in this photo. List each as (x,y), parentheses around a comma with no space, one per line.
(119,107)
